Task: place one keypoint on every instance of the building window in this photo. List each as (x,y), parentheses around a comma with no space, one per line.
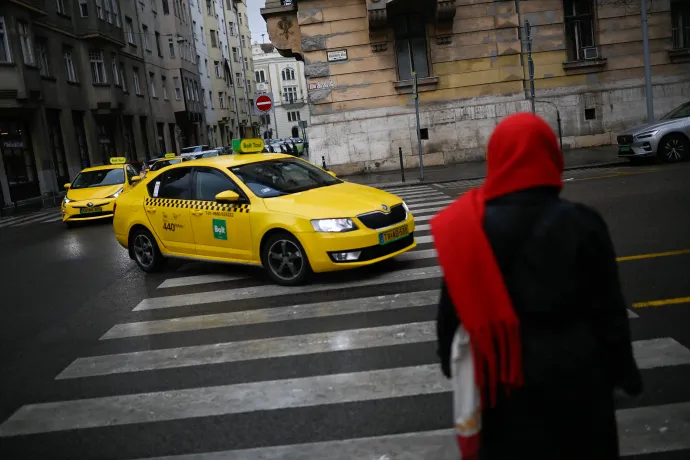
(235,55)
(171,46)
(290,94)
(206,66)
(203,36)
(166,7)
(69,65)
(198,96)
(293,116)
(260,76)
(114,66)
(288,74)
(214,43)
(25,42)
(116,14)
(210,99)
(579,29)
(164,84)
(221,100)
(108,6)
(238,77)
(99,9)
(43,62)
(239,16)
(98,74)
(145,37)
(158,44)
(680,27)
(129,27)
(5,55)
(84,8)
(123,77)
(216,67)
(410,46)
(137,86)
(152,80)
(244,43)
(186,88)
(178,91)
(231,28)
(60,6)
(209,8)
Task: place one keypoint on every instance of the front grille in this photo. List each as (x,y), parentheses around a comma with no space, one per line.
(625,140)
(378,219)
(91,214)
(374,252)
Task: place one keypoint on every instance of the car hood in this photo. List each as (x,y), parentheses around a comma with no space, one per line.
(341,200)
(649,127)
(93,193)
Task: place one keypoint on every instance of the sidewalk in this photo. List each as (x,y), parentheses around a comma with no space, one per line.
(574,159)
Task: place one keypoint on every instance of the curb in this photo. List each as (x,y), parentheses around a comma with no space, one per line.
(384,185)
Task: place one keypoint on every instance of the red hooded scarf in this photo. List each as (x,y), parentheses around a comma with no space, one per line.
(523,152)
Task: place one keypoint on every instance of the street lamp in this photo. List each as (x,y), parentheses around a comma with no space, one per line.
(558,120)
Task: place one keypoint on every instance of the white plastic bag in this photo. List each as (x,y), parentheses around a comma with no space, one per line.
(466,397)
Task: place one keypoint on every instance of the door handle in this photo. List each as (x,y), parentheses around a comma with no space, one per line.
(150,209)
(197,213)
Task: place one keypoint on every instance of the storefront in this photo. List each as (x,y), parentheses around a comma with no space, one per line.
(18,160)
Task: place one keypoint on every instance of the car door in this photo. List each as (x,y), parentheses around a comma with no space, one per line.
(168,209)
(220,229)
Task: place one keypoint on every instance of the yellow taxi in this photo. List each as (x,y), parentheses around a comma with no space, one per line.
(269,210)
(92,194)
(169,159)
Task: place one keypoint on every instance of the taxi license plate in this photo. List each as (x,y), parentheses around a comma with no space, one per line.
(393,235)
(624,148)
(90,210)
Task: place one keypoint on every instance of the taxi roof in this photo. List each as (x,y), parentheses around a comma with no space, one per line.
(165,159)
(102,167)
(229,161)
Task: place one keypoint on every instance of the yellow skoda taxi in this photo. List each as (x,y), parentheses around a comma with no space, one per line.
(92,194)
(271,210)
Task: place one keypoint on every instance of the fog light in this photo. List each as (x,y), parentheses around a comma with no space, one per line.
(647,146)
(346,256)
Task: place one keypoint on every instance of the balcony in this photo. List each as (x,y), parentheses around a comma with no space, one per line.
(283,27)
(36,6)
(100,30)
(291,102)
(20,82)
(106,99)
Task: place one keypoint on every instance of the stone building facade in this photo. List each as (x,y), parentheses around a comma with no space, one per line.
(471,60)
(284,78)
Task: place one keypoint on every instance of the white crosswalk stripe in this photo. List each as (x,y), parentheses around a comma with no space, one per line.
(244,349)
(34,218)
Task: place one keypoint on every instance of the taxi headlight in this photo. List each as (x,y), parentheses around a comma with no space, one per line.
(66,200)
(333,225)
(116,194)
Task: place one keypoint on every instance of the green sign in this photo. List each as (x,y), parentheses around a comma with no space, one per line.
(220,231)
(248,145)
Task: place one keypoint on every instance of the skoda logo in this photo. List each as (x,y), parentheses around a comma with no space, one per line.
(384,207)
(89,204)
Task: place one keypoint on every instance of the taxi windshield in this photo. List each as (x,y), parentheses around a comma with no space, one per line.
(273,178)
(99,178)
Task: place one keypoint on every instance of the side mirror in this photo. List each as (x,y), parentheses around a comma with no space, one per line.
(67,186)
(134,179)
(228,196)
(331,173)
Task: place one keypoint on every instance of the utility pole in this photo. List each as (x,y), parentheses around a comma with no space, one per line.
(647,65)
(530,63)
(415,92)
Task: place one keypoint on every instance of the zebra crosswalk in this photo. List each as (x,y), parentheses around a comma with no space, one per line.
(216,364)
(39,217)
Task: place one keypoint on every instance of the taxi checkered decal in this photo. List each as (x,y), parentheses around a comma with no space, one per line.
(191,204)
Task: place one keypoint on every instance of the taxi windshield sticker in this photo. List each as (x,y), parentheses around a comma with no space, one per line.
(219,229)
(155,189)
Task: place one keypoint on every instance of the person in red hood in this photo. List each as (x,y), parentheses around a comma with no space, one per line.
(534,281)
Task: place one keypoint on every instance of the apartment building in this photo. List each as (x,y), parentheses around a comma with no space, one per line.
(241,65)
(85,80)
(284,78)
(471,60)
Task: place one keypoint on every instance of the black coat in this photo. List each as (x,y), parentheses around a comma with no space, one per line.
(559,267)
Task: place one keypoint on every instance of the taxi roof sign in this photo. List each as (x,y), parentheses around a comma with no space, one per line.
(118,160)
(248,145)
(170,155)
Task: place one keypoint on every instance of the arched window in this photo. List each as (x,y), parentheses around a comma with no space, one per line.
(288,74)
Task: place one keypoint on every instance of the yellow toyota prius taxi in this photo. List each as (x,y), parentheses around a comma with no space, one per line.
(272,210)
(92,194)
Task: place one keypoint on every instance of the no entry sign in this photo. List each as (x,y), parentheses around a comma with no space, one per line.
(264,103)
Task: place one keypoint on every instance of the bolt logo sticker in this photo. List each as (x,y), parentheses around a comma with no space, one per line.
(219,229)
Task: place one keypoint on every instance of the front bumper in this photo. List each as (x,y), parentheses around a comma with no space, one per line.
(72,211)
(639,148)
(321,247)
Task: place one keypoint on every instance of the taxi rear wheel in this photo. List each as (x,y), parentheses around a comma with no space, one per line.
(146,252)
(285,260)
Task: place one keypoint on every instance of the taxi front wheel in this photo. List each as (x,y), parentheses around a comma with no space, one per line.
(145,251)
(285,260)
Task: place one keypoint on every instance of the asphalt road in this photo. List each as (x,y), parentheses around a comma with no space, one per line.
(99,361)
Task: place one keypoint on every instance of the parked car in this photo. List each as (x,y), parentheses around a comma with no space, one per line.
(196,149)
(668,139)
